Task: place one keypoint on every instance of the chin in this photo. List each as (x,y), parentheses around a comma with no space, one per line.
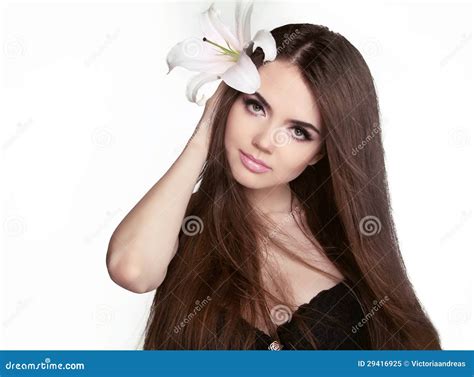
(248,179)
(248,183)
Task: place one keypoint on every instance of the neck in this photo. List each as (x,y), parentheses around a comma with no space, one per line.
(271,201)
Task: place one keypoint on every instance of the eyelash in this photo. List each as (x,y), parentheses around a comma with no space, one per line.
(251,102)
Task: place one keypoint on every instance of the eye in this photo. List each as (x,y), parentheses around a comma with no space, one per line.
(301,133)
(253,106)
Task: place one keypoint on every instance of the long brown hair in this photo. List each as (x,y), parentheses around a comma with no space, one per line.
(215,279)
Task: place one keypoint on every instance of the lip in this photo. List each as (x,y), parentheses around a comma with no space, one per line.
(253,164)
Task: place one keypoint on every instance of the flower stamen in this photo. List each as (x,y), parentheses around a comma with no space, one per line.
(225,51)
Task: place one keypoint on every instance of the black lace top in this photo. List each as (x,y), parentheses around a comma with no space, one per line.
(333,316)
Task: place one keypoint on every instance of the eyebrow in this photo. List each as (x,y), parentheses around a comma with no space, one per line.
(294,121)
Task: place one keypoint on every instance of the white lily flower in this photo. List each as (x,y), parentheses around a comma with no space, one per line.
(221,54)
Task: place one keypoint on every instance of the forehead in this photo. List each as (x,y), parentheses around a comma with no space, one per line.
(283,86)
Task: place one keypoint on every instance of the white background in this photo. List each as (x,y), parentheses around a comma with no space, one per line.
(90,121)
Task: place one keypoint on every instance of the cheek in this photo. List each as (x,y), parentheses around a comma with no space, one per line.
(237,127)
(233,133)
(293,159)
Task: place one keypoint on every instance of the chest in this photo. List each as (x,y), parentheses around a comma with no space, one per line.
(285,276)
(288,279)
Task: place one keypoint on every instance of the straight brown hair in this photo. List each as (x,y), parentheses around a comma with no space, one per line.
(214,280)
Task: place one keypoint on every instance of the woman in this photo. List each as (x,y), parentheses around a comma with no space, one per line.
(289,241)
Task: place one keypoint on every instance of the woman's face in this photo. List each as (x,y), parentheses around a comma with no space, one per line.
(277,125)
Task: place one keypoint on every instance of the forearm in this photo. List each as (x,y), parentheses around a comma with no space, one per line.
(142,245)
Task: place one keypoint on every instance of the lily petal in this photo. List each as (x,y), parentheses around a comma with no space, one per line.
(243,13)
(215,30)
(265,40)
(195,55)
(243,76)
(195,83)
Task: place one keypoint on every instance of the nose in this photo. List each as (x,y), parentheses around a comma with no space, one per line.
(264,140)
